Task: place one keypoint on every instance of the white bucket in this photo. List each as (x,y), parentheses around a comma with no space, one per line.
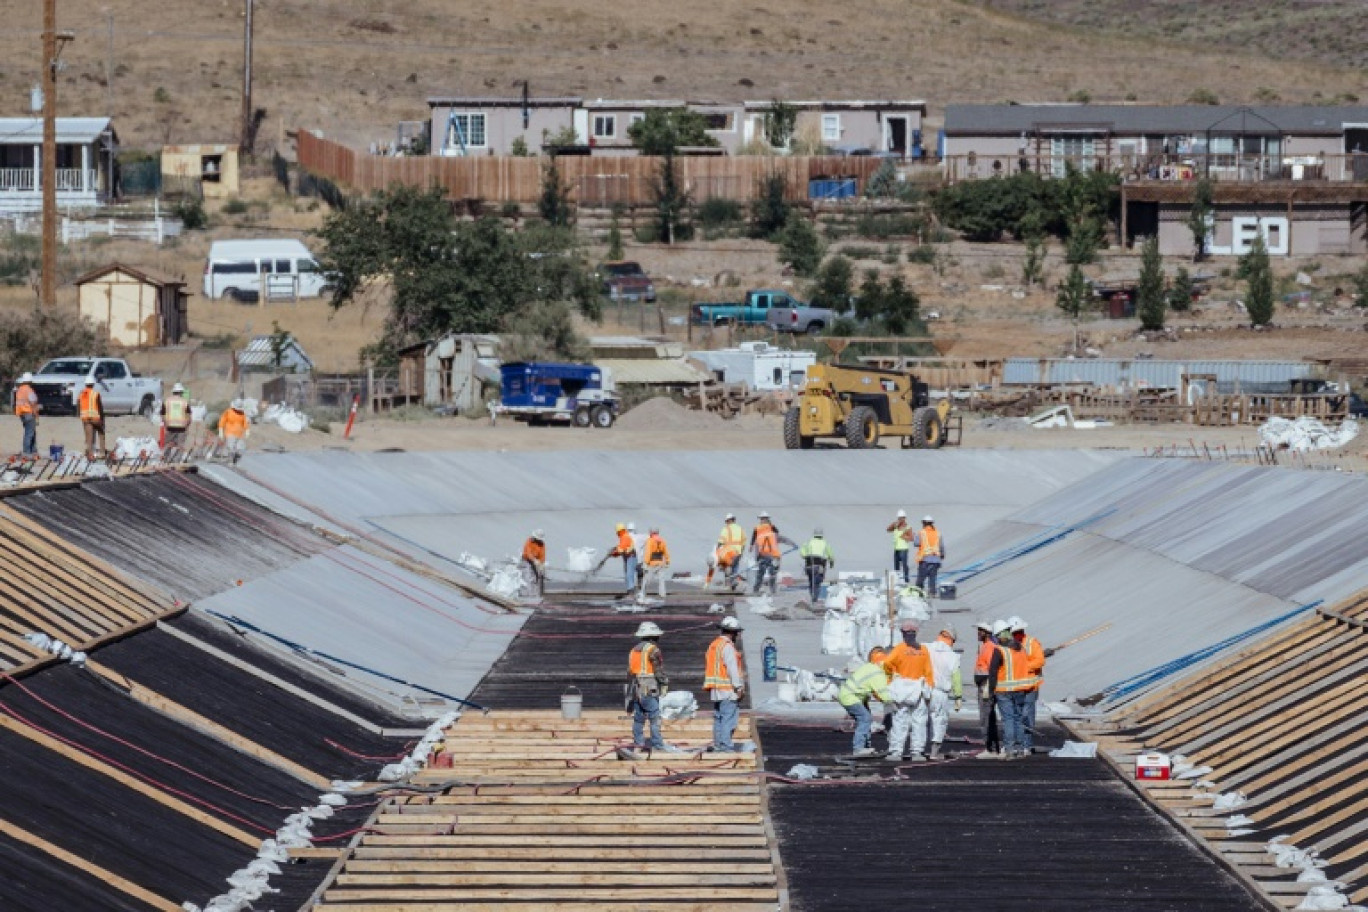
(788,691)
(571,703)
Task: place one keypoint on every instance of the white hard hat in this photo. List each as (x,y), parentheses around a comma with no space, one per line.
(764,514)
(985,626)
(730,517)
(177,388)
(537,534)
(236,403)
(647,629)
(817,532)
(729,623)
(631,527)
(949,630)
(90,381)
(902,514)
(927,519)
(1016,623)
(25,377)
(1000,627)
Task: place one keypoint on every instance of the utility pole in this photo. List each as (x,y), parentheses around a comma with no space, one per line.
(245,140)
(48,287)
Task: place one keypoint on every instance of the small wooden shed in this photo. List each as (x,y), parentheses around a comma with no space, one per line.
(136,307)
(214,166)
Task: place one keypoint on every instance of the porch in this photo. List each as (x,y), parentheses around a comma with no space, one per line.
(85,147)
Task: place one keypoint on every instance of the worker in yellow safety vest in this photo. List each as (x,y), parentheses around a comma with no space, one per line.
(726,556)
(902,538)
(725,680)
(869,680)
(26,407)
(817,559)
(655,556)
(175,412)
(646,684)
(91,407)
(930,553)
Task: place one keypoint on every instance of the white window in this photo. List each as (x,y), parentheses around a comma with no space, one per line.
(605,126)
(466,130)
(1078,151)
(831,127)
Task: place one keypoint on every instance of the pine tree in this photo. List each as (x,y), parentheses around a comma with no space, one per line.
(1199,217)
(1075,297)
(1149,292)
(1259,275)
(1180,293)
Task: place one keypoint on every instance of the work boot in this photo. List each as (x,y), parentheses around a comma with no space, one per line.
(894,755)
(935,750)
(917,757)
(865,752)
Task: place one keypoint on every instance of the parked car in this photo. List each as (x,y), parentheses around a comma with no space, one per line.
(753,311)
(59,382)
(237,270)
(627,281)
(800,318)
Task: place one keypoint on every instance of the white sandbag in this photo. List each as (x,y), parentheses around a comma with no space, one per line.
(868,604)
(507,581)
(475,564)
(678,704)
(803,771)
(762,605)
(838,634)
(1324,896)
(839,597)
(869,635)
(1238,820)
(293,422)
(1075,750)
(912,606)
(580,560)
(906,691)
(134,447)
(1306,434)
(1229,801)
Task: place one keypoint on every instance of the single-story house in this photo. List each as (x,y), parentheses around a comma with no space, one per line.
(1296,175)
(213,167)
(605,123)
(85,149)
(136,307)
(874,127)
(464,125)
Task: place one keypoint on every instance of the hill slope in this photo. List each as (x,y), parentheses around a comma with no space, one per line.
(354,67)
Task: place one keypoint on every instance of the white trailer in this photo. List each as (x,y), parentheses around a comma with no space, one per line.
(758,364)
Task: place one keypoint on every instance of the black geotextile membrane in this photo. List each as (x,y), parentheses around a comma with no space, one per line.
(587,647)
(35,881)
(257,709)
(1021,835)
(187,535)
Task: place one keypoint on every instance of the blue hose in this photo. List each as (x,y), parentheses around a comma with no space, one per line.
(1040,540)
(1158,673)
(301,648)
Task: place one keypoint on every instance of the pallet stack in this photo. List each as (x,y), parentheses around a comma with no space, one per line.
(539,812)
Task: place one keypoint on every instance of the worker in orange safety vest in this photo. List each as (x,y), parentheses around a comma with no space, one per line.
(988,726)
(234,428)
(726,556)
(1010,682)
(533,562)
(646,684)
(91,408)
(26,407)
(655,556)
(765,539)
(1035,655)
(725,680)
(930,554)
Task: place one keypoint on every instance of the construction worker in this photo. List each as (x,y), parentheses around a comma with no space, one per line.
(869,680)
(91,408)
(911,662)
(902,537)
(988,727)
(533,564)
(1009,683)
(731,545)
(817,557)
(637,542)
(930,553)
(646,684)
(764,544)
(626,549)
(175,412)
(26,407)
(656,557)
(946,686)
(1035,667)
(234,429)
(725,680)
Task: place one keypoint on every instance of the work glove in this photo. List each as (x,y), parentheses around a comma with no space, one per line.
(959,703)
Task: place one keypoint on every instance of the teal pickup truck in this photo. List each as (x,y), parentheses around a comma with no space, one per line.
(753,311)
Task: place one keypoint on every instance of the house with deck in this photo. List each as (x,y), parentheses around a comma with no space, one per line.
(1296,175)
(85,147)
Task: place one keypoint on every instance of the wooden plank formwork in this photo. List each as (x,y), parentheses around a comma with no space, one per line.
(540,812)
(1280,722)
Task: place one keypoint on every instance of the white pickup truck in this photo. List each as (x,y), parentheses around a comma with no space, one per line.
(59,383)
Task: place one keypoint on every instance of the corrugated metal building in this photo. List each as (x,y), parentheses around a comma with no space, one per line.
(1252,376)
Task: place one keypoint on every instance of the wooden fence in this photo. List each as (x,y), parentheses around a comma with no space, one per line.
(624,180)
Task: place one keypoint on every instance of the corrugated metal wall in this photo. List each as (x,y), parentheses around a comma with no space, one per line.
(1252,375)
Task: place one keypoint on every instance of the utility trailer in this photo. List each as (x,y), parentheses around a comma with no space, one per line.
(541,393)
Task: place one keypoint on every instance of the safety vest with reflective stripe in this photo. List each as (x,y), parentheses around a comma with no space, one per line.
(929,543)
(715,668)
(766,541)
(22,403)
(733,539)
(657,552)
(1013,676)
(817,551)
(1035,658)
(90,404)
(177,413)
(985,657)
(869,680)
(900,537)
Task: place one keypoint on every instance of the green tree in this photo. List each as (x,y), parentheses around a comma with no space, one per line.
(279,340)
(1199,216)
(671,203)
(614,239)
(900,307)
(1361,287)
(1075,298)
(780,121)
(883,183)
(1181,291)
(439,274)
(1084,239)
(832,286)
(1259,279)
(799,245)
(1150,301)
(1033,265)
(769,211)
(554,203)
(869,303)
(664,130)
(518,147)
(30,337)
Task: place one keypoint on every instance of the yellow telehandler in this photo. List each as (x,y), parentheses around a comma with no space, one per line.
(862,405)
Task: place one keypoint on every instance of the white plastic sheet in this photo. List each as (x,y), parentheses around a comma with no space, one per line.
(580,560)
(1228,801)
(803,771)
(762,605)
(678,704)
(1325,896)
(507,581)
(1306,433)
(133,447)
(1075,750)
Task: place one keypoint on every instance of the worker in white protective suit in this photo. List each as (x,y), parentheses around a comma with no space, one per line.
(909,666)
(946,686)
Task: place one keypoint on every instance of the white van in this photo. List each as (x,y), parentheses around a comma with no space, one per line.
(237,269)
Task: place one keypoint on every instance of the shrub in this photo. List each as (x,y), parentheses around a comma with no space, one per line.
(1150,300)
(831,288)
(770,208)
(860,252)
(925,254)
(719,212)
(881,226)
(799,245)
(191,213)
(1181,291)
(235,206)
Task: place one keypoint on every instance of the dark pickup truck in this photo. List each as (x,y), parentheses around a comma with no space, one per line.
(627,281)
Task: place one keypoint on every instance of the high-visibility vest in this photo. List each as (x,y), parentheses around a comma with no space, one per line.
(985,657)
(900,537)
(929,543)
(1014,677)
(22,405)
(177,413)
(816,550)
(90,404)
(1035,658)
(534,551)
(725,556)
(641,661)
(625,545)
(733,539)
(766,541)
(715,675)
(869,680)
(656,551)
(233,423)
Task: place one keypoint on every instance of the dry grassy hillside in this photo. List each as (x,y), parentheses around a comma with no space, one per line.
(354,67)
